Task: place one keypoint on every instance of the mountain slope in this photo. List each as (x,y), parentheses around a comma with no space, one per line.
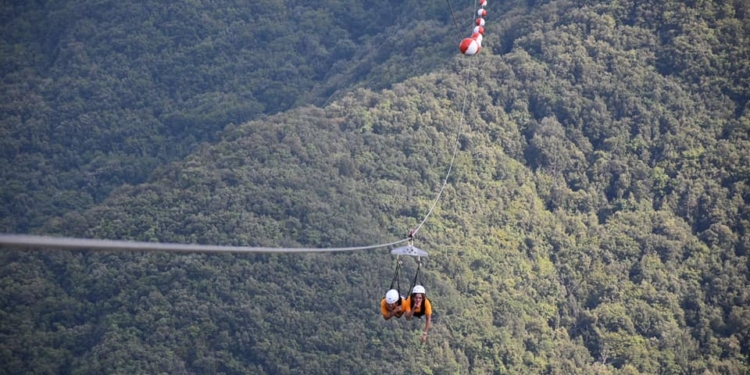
(595,222)
(98,94)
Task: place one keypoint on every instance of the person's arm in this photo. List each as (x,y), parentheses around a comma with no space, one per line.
(405,306)
(386,314)
(409,311)
(428,324)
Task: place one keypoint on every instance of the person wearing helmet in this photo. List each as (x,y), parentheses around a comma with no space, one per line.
(393,305)
(419,306)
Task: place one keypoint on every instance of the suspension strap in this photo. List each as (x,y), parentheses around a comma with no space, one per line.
(416,275)
(396,275)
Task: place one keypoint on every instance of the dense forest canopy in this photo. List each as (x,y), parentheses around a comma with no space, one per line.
(596,221)
(99,95)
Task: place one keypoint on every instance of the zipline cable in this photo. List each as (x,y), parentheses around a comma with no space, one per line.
(29,241)
(453,157)
(453,15)
(450,167)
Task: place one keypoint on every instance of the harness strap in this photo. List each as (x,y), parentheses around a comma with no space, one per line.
(416,275)
(396,276)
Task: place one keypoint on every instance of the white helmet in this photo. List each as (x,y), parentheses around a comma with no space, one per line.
(418,289)
(392,296)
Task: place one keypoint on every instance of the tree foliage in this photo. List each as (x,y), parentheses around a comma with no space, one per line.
(97,95)
(595,220)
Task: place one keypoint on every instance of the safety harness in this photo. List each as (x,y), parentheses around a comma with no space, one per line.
(397,272)
(396,277)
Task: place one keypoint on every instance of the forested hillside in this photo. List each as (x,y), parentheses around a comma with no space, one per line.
(96,95)
(596,221)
